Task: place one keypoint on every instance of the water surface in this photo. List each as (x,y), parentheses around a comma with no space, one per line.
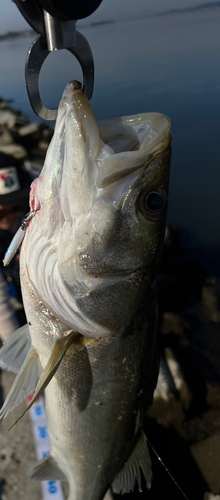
(168,64)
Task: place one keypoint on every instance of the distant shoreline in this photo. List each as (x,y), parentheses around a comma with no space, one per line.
(11,35)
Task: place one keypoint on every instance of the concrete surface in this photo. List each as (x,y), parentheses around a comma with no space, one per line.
(17,453)
(207,456)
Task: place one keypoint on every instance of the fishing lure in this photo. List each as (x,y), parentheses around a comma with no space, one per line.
(18,238)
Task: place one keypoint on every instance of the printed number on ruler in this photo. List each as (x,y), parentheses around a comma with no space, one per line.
(52,490)
(38,410)
(52,487)
(42,431)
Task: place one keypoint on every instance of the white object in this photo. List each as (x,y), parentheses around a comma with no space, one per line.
(50,489)
(9,181)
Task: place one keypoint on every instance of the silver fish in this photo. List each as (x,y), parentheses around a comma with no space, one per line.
(88,266)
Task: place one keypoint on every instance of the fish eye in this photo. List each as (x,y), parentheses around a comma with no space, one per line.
(153,203)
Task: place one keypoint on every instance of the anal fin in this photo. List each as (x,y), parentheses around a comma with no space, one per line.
(46,470)
(130,473)
(15,349)
(25,383)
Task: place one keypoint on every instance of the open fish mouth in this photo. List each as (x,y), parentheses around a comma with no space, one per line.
(135,140)
(87,178)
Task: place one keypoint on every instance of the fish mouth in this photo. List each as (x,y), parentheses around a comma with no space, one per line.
(86,159)
(135,140)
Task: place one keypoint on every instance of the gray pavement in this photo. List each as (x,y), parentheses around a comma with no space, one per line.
(17,453)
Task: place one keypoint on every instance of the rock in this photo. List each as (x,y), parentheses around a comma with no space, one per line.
(29,135)
(30,129)
(200,428)
(4,105)
(47,133)
(7,118)
(16,305)
(173,323)
(178,378)
(33,168)
(210,304)
(210,496)
(14,150)
(166,409)
(207,455)
(6,137)
(37,156)
(43,146)
(213,397)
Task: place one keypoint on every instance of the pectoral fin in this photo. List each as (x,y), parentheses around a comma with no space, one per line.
(140,458)
(58,352)
(15,349)
(24,384)
(46,470)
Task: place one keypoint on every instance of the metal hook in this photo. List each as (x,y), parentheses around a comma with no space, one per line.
(27,218)
(36,56)
(57,31)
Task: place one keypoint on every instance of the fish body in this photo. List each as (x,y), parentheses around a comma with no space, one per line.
(88,266)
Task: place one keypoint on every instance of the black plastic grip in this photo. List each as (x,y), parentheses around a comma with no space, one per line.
(69,9)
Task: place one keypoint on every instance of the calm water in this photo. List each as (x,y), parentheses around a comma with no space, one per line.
(168,64)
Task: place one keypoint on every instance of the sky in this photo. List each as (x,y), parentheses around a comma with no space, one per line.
(12,20)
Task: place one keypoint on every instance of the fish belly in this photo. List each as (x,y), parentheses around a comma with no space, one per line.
(94,405)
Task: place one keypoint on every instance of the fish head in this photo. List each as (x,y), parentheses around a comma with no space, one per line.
(92,251)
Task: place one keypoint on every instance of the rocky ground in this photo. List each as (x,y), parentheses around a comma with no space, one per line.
(25,141)
(183,424)
(17,453)
(28,142)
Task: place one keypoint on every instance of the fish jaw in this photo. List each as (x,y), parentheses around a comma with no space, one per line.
(89,239)
(61,196)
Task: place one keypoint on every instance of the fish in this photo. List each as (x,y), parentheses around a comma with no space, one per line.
(88,266)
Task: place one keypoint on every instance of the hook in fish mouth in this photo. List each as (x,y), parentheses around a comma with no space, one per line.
(27,218)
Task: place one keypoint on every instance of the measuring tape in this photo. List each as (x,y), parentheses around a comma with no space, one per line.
(50,489)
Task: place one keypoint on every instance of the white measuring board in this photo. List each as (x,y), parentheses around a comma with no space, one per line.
(51,490)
